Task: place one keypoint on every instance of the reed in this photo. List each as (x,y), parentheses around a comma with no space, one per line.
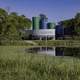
(16,64)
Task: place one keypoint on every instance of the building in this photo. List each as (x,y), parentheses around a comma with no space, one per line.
(41,29)
(59,31)
(44,34)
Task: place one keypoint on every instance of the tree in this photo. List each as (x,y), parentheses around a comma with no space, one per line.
(73,25)
(3,18)
(77,24)
(11,24)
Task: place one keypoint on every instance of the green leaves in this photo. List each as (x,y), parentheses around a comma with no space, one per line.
(12,23)
(74,24)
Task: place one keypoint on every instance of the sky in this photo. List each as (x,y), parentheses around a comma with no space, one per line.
(55,10)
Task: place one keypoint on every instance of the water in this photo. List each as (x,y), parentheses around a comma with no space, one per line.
(54,51)
(42,50)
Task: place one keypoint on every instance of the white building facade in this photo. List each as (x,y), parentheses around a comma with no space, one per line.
(44,34)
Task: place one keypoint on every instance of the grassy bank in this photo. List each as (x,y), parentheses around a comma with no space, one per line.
(16,64)
(59,43)
(16,43)
(56,43)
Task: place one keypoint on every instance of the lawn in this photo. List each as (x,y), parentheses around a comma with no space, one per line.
(16,64)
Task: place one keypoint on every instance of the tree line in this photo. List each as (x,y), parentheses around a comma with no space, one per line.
(72,27)
(11,25)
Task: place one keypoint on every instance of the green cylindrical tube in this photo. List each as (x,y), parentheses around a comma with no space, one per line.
(35,23)
(50,25)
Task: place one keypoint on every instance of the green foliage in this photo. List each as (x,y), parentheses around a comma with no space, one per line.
(77,24)
(11,24)
(74,23)
(72,52)
(19,65)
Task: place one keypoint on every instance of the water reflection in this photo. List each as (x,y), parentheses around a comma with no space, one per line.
(46,50)
(59,51)
(54,51)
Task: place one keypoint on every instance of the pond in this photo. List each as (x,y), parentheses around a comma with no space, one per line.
(54,51)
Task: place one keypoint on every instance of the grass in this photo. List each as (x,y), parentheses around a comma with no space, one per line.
(16,64)
(56,43)
(59,43)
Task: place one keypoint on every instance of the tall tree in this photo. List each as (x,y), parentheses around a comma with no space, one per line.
(77,24)
(11,24)
(3,18)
